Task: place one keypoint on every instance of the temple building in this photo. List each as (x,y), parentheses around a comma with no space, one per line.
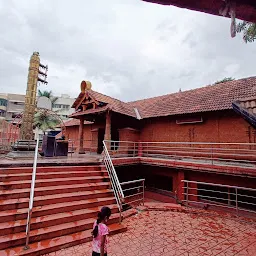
(206,114)
(220,116)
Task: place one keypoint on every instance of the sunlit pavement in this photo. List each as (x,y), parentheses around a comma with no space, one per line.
(168,232)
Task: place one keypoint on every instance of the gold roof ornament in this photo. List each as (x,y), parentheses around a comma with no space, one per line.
(85,85)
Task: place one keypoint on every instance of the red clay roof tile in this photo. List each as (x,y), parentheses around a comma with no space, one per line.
(209,98)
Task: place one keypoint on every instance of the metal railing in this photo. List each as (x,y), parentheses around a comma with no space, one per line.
(232,198)
(123,148)
(116,186)
(31,199)
(123,192)
(242,154)
(88,145)
(133,195)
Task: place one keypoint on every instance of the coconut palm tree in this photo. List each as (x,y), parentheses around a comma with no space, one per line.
(44,121)
(48,94)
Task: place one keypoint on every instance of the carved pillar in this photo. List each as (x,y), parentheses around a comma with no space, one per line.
(81,136)
(107,135)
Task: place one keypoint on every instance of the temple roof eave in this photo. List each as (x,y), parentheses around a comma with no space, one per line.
(79,114)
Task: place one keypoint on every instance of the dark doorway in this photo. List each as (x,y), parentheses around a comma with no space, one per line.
(101,134)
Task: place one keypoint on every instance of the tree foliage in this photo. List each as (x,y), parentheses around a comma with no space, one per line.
(48,94)
(226,79)
(248,29)
(45,121)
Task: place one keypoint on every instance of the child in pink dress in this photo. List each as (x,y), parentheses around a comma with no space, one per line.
(100,232)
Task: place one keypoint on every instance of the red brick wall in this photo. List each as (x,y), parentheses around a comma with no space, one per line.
(128,134)
(72,134)
(223,126)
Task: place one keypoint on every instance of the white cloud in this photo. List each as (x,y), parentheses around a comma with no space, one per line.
(128,49)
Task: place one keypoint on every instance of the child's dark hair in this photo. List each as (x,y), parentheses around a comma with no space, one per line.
(104,212)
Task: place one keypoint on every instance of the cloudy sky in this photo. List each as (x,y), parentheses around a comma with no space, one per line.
(128,49)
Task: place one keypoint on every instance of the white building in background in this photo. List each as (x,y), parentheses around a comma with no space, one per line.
(11,105)
(63,106)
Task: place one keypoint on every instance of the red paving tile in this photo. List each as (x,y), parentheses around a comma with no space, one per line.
(168,233)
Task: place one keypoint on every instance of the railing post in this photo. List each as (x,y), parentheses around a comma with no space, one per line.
(31,199)
(143,184)
(236,202)
(187,190)
(120,212)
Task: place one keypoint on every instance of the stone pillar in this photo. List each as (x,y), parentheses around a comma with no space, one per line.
(180,185)
(81,136)
(107,135)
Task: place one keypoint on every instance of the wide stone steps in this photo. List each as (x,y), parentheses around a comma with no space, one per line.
(51,182)
(66,202)
(50,175)
(20,170)
(54,244)
(11,204)
(19,214)
(18,226)
(40,191)
(50,232)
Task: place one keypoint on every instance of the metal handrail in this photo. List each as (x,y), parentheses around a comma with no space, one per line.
(140,192)
(216,154)
(192,195)
(31,199)
(117,189)
(117,186)
(131,182)
(183,142)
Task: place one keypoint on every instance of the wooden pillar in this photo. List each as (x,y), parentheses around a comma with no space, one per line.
(81,136)
(107,135)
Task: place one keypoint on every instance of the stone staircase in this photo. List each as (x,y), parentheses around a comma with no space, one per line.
(66,202)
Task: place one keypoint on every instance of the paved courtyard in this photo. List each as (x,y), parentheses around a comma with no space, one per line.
(168,232)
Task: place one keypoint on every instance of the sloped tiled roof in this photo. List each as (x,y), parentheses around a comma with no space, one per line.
(113,104)
(249,104)
(209,98)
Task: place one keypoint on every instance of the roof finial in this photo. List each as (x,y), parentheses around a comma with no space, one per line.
(180,90)
(85,85)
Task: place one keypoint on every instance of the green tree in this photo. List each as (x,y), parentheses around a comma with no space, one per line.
(44,121)
(248,29)
(48,94)
(226,79)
